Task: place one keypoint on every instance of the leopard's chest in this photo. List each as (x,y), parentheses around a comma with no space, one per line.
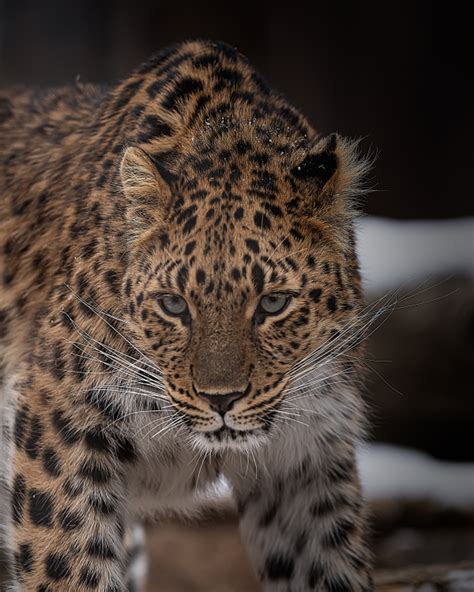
(169,476)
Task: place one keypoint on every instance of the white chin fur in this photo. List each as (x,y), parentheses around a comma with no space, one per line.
(241,443)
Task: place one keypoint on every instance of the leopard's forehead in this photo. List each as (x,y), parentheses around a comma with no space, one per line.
(235,195)
(232,230)
(230,254)
(230,203)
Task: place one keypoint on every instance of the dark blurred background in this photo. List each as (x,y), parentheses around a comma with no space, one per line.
(396,73)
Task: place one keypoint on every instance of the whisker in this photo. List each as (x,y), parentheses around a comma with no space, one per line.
(205,456)
(114,329)
(120,365)
(176,423)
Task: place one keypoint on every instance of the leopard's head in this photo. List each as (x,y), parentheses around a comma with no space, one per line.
(241,265)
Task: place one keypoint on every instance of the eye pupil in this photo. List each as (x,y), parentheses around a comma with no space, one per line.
(173,304)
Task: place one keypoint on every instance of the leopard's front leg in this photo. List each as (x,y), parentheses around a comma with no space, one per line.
(68,499)
(303,524)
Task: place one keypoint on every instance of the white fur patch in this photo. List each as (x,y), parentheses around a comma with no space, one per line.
(7,413)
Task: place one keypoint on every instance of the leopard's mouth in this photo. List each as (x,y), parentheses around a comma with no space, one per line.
(226,438)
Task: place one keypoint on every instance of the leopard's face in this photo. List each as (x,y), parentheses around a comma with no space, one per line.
(226,294)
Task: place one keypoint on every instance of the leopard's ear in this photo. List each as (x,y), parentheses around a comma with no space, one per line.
(147,193)
(331,170)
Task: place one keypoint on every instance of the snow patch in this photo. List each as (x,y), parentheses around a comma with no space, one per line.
(393,253)
(391,472)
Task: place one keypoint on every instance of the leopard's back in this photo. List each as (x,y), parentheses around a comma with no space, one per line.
(41,140)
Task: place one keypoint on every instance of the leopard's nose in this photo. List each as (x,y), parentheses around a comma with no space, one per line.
(221,402)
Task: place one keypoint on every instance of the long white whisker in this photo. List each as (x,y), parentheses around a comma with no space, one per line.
(115,355)
(94,310)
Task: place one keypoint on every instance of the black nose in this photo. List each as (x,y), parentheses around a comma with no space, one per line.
(221,402)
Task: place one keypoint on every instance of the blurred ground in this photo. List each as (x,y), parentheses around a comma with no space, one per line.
(208,557)
(196,558)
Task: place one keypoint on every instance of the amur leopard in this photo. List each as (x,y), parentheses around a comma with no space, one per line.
(179,301)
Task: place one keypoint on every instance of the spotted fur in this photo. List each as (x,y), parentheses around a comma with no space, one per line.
(191,178)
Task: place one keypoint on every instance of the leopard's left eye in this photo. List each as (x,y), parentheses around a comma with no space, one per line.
(173,304)
(274,303)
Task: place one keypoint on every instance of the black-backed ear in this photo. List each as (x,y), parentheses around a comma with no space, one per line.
(147,193)
(320,165)
(331,169)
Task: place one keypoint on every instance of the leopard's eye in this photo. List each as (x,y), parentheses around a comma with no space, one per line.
(173,304)
(274,303)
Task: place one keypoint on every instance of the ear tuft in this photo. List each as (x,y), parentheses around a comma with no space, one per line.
(354,169)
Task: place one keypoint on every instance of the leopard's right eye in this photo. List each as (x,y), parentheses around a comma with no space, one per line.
(173,305)
(273,304)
